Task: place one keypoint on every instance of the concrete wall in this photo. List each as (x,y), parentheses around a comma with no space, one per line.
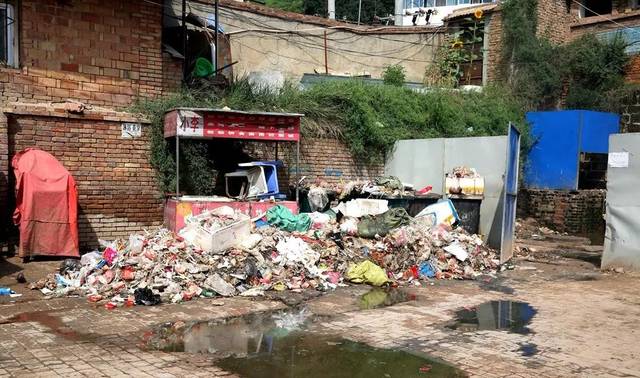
(347,52)
(423,162)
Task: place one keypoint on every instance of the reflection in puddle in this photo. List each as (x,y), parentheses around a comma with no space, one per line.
(379,297)
(303,354)
(282,345)
(528,349)
(495,315)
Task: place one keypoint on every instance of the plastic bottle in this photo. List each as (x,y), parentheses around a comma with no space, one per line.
(6,291)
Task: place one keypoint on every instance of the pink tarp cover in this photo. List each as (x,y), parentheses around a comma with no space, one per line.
(46,205)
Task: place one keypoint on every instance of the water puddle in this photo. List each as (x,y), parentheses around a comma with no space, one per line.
(53,323)
(285,344)
(495,315)
(383,297)
(303,354)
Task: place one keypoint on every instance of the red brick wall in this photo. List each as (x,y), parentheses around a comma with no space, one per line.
(104,53)
(116,184)
(554,20)
(321,159)
(576,212)
(494,52)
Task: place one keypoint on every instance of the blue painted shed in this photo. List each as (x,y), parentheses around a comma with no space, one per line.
(566,145)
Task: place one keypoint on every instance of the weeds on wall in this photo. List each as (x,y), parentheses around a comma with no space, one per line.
(368,118)
(583,73)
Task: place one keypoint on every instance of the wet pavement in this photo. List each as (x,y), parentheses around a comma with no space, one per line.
(285,344)
(553,323)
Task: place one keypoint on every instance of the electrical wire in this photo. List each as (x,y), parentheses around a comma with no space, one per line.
(379,53)
(343,52)
(284,31)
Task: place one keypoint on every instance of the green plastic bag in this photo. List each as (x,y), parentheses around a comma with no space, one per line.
(367,272)
(284,219)
(370,226)
(203,68)
(390,182)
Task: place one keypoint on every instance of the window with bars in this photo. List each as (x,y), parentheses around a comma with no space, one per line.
(8,37)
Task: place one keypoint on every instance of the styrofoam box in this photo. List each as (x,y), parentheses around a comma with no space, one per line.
(224,238)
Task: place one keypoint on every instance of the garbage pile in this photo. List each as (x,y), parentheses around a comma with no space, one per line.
(362,241)
(530,228)
(463,172)
(386,185)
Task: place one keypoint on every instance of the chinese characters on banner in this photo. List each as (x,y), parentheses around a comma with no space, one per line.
(235,125)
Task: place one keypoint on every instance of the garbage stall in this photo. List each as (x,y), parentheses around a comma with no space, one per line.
(197,123)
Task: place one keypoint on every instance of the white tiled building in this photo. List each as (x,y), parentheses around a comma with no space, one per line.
(408,11)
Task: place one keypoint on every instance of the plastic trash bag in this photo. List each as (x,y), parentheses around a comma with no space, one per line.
(367,272)
(389,182)
(284,219)
(70,265)
(360,207)
(370,226)
(144,296)
(317,198)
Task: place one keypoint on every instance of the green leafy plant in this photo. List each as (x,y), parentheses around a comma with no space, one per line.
(369,118)
(394,75)
(582,73)
(459,51)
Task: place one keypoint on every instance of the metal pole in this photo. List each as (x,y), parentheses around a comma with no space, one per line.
(359,10)
(297,170)
(184,42)
(177,165)
(215,64)
(326,64)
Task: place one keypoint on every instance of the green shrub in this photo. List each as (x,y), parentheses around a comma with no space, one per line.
(394,75)
(368,118)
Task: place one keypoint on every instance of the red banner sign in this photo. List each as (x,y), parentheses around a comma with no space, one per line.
(248,126)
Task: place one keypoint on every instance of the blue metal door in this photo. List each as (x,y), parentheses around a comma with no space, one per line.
(510,194)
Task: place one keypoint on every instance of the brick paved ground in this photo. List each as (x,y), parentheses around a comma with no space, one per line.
(586,326)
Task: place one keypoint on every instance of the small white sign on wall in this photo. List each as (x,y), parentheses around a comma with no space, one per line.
(131,130)
(618,159)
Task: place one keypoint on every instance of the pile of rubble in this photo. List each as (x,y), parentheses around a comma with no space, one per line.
(530,228)
(381,246)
